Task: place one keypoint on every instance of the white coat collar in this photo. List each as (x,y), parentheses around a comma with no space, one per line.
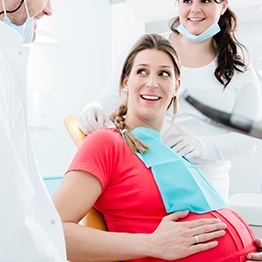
(9,35)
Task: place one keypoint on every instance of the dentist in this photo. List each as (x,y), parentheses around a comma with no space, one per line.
(30,227)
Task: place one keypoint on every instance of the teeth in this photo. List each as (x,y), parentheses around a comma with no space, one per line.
(150,97)
(196,19)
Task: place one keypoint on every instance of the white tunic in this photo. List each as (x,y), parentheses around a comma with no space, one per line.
(30,227)
(242,97)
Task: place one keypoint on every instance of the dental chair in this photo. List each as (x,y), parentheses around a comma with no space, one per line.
(93,218)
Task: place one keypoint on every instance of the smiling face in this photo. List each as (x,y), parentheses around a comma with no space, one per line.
(198,15)
(151,85)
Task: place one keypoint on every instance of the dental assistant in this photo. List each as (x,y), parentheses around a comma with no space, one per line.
(216,72)
(30,226)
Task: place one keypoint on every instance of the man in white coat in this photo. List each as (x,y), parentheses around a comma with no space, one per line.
(30,227)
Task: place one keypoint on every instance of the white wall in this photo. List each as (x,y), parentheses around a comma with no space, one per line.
(125,28)
(74,70)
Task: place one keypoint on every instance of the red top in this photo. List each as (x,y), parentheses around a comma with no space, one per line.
(125,180)
(129,184)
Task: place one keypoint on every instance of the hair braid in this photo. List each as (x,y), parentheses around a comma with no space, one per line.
(118,118)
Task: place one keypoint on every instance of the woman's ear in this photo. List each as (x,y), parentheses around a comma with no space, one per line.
(178,81)
(125,83)
(224,6)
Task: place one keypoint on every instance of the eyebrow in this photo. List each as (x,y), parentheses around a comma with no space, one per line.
(162,66)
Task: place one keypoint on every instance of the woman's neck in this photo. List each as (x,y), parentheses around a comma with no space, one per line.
(193,54)
(132,122)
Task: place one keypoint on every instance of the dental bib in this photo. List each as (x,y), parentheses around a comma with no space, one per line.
(181,184)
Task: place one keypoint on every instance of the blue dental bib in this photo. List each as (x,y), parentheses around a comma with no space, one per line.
(181,184)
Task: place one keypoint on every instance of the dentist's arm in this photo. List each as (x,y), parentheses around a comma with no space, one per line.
(96,113)
(230,145)
(221,147)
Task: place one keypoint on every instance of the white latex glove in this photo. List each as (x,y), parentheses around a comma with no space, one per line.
(91,118)
(187,146)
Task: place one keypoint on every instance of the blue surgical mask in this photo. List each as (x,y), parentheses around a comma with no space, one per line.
(26,30)
(208,33)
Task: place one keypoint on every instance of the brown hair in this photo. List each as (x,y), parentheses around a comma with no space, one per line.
(147,41)
(227,46)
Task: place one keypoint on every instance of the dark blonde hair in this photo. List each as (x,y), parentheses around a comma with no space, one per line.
(147,41)
(227,46)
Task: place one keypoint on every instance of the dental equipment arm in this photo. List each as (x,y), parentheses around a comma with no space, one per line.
(235,122)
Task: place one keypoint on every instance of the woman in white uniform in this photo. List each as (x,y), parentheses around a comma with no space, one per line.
(29,224)
(214,71)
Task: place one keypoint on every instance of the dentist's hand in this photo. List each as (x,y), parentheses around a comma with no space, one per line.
(91,118)
(187,146)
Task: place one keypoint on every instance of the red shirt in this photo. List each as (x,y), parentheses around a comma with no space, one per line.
(129,184)
(125,180)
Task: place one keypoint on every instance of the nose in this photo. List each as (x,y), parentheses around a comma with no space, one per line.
(195,8)
(48,8)
(152,81)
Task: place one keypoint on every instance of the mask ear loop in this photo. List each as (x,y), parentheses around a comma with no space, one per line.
(3,3)
(26,9)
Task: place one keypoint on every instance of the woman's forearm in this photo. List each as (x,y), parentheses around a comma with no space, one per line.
(170,241)
(88,244)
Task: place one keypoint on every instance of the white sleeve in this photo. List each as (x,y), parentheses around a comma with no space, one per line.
(227,146)
(247,104)
(248,100)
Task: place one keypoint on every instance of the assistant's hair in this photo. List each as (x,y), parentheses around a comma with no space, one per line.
(231,54)
(147,41)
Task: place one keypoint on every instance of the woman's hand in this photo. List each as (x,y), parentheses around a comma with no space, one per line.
(256,256)
(175,240)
